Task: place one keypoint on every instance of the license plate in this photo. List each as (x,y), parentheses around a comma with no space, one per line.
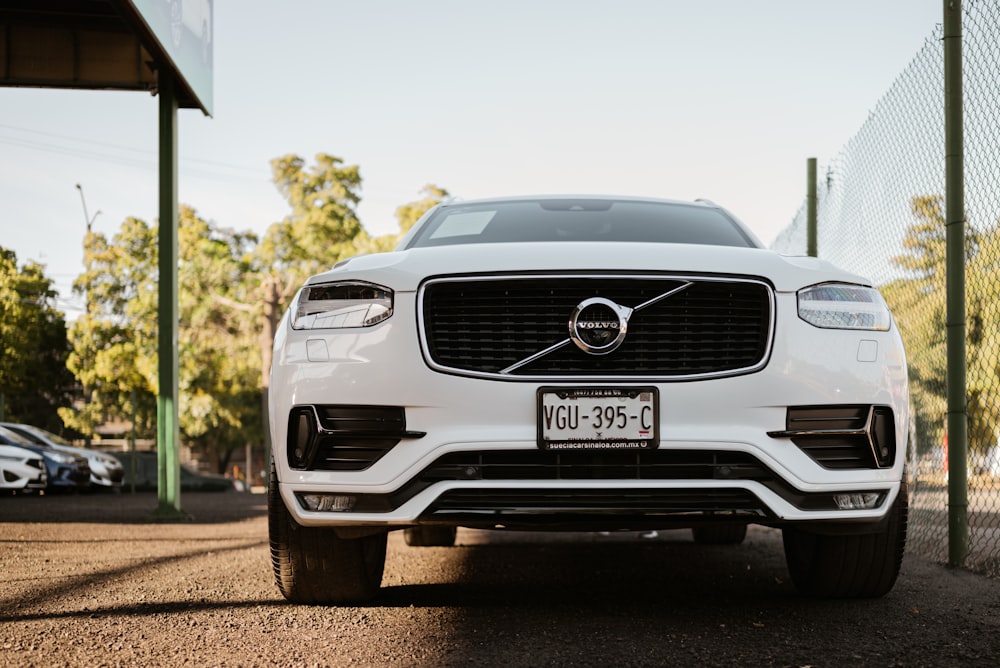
(598,418)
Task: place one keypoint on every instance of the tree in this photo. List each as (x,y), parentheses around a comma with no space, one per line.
(408,214)
(919,305)
(233,290)
(983,342)
(115,343)
(219,370)
(321,229)
(34,381)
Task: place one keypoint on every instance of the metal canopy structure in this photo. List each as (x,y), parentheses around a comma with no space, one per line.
(108,45)
(160,46)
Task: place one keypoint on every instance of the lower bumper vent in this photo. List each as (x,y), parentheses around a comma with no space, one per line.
(843,437)
(343,438)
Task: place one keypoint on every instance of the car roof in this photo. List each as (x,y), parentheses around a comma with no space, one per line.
(570,196)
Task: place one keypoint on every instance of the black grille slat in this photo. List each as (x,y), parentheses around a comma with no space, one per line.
(351,452)
(597,501)
(486,326)
(838,453)
(354,419)
(637,465)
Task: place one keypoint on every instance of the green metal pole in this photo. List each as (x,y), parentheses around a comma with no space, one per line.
(811,214)
(958,519)
(167,431)
(131,444)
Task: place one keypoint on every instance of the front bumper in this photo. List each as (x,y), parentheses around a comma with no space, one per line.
(721,423)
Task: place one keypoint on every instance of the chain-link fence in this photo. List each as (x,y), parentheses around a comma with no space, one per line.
(881,213)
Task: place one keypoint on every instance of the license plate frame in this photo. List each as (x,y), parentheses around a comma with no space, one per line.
(560,426)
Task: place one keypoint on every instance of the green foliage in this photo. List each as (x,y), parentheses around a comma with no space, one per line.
(219,364)
(322,224)
(321,229)
(406,216)
(34,379)
(115,342)
(232,291)
(112,339)
(919,308)
(410,213)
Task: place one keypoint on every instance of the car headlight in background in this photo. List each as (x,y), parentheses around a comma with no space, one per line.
(844,306)
(59,457)
(342,305)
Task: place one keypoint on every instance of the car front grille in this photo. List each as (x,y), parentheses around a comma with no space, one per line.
(497,326)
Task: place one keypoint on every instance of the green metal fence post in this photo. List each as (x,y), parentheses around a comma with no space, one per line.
(167,430)
(958,520)
(811,212)
(131,444)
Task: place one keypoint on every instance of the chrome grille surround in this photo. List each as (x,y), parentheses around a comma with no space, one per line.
(515,326)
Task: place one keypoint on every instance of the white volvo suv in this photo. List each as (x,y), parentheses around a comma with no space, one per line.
(586,363)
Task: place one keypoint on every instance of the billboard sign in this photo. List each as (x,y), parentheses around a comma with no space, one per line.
(183,29)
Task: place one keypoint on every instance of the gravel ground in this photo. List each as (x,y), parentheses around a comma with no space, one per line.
(90,580)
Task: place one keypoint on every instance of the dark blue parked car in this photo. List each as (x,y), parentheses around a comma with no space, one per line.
(66,472)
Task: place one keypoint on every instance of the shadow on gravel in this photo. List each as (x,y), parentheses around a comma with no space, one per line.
(145,610)
(39,597)
(674,602)
(127,508)
(596,576)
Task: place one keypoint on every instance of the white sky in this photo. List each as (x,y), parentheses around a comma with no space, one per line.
(724,99)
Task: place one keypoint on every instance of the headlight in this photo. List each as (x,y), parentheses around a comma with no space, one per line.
(59,457)
(340,305)
(843,306)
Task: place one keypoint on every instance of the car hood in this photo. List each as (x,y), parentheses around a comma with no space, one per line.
(404,270)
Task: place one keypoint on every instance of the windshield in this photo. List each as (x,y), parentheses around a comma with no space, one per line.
(601,220)
(37,435)
(11,437)
(53,438)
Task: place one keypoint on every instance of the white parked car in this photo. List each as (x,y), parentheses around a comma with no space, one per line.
(105,470)
(21,469)
(586,363)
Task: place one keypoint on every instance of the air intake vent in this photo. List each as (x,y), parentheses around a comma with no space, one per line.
(843,437)
(343,437)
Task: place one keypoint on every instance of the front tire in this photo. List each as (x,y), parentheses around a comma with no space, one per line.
(851,566)
(314,564)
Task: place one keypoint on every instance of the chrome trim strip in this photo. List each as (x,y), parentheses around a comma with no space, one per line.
(668,293)
(540,354)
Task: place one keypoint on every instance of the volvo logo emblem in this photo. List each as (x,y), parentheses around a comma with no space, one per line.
(598,325)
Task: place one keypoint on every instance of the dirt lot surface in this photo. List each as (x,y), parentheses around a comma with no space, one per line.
(90,580)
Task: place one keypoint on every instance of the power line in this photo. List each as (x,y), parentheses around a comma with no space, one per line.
(134,157)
